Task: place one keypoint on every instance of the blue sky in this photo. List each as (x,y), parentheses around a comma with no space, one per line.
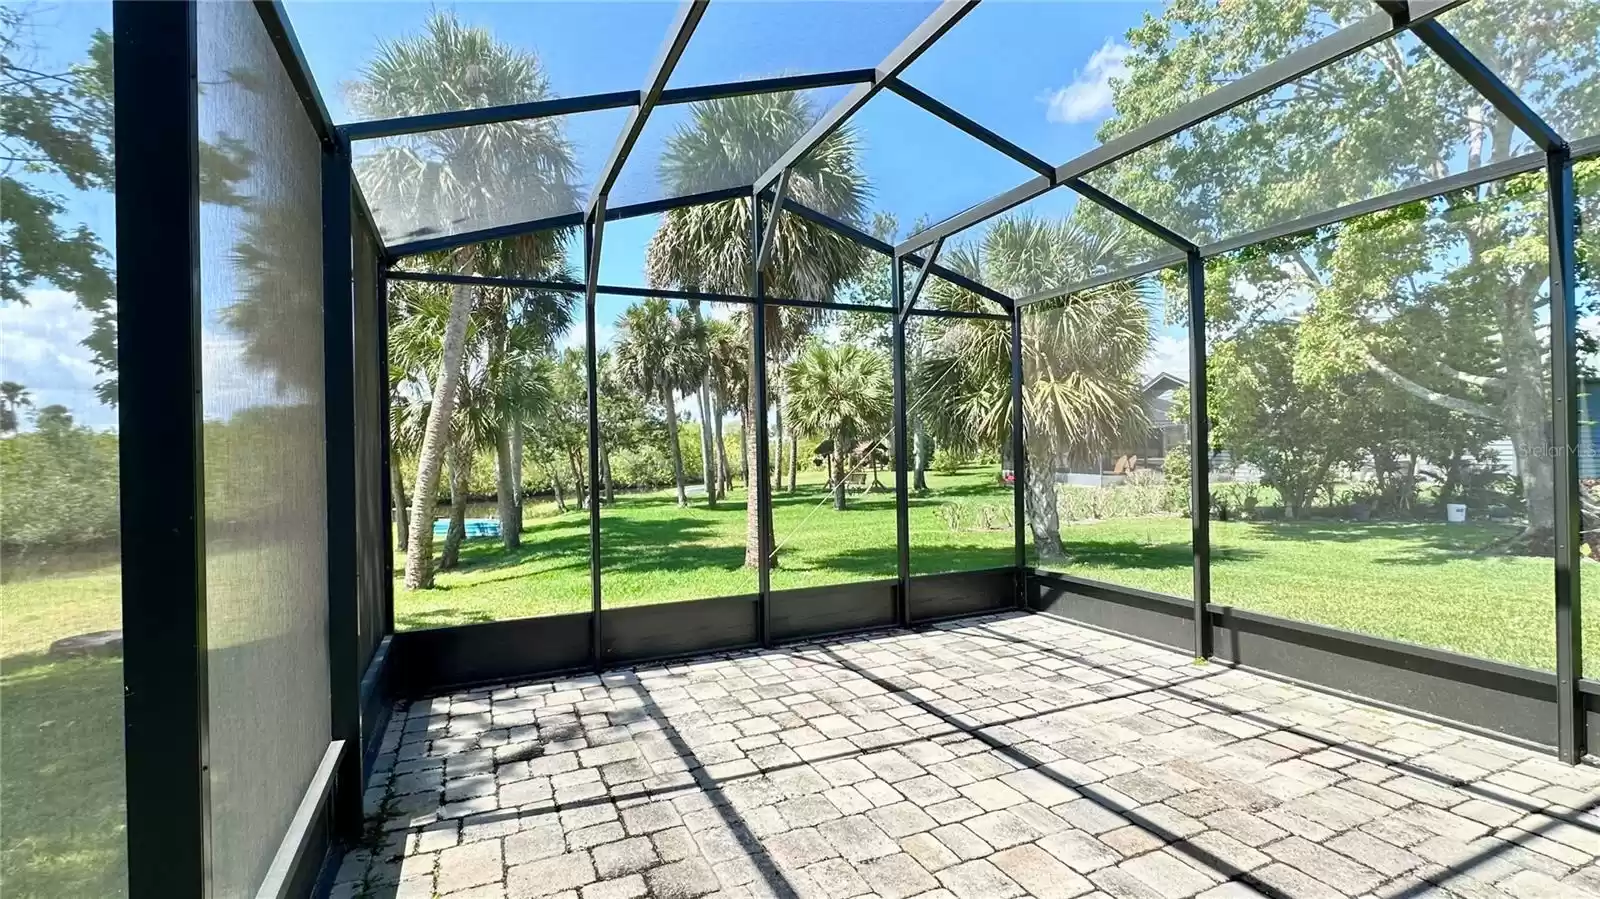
(1035,72)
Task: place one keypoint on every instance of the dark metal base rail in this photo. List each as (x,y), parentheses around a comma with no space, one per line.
(1488,696)
(427,662)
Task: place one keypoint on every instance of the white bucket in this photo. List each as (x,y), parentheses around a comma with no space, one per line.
(1455,513)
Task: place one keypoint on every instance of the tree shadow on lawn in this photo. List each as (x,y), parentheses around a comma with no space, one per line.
(61,785)
(933,497)
(427,619)
(626,544)
(854,501)
(1433,543)
(1132,554)
(638,540)
(881,561)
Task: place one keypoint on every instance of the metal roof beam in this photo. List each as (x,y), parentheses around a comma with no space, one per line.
(1352,39)
(689,15)
(931,29)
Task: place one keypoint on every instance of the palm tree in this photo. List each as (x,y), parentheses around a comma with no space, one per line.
(1081,354)
(13,397)
(845,393)
(427,182)
(732,141)
(728,359)
(661,352)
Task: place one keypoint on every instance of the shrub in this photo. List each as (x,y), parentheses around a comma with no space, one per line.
(1097,503)
(1175,471)
(58,489)
(1146,477)
(975,515)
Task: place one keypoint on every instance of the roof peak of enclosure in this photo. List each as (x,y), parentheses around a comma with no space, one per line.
(917,51)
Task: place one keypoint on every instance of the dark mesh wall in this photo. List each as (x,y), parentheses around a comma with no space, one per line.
(372,542)
(266,548)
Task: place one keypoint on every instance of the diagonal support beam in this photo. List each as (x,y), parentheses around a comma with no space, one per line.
(490,115)
(1131,216)
(1352,39)
(770,236)
(1487,84)
(872,243)
(922,278)
(591,261)
(931,29)
(972,128)
(689,16)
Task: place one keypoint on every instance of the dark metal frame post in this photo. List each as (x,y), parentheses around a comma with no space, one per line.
(592,235)
(384,424)
(1564,442)
(902,497)
(165,699)
(339,447)
(1199,454)
(760,478)
(1019,461)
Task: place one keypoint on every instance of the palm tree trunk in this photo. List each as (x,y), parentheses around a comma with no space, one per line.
(838,471)
(506,506)
(450,556)
(776,440)
(674,449)
(1043,517)
(436,434)
(397,491)
(516,468)
(723,476)
(708,462)
(919,446)
(794,459)
(752,515)
(744,447)
(578,488)
(605,472)
(555,485)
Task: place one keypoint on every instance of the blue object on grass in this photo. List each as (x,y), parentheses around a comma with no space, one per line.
(476,527)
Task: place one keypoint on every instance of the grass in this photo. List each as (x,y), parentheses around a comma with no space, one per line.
(61,775)
(653,551)
(1434,584)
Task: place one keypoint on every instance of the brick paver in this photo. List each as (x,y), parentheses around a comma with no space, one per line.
(1004,756)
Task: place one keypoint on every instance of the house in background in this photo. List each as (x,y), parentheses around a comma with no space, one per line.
(1589,429)
(1165,433)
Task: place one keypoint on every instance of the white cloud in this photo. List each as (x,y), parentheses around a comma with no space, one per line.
(1088,97)
(41,347)
(1168,355)
(231,383)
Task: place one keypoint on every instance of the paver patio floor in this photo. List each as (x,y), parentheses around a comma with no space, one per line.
(1004,756)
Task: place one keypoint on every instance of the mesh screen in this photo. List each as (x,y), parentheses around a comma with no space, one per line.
(958,439)
(1389,117)
(372,541)
(831,444)
(1379,398)
(262,365)
(1104,384)
(673,383)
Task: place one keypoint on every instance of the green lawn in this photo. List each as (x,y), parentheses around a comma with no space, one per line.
(653,551)
(61,791)
(1434,584)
